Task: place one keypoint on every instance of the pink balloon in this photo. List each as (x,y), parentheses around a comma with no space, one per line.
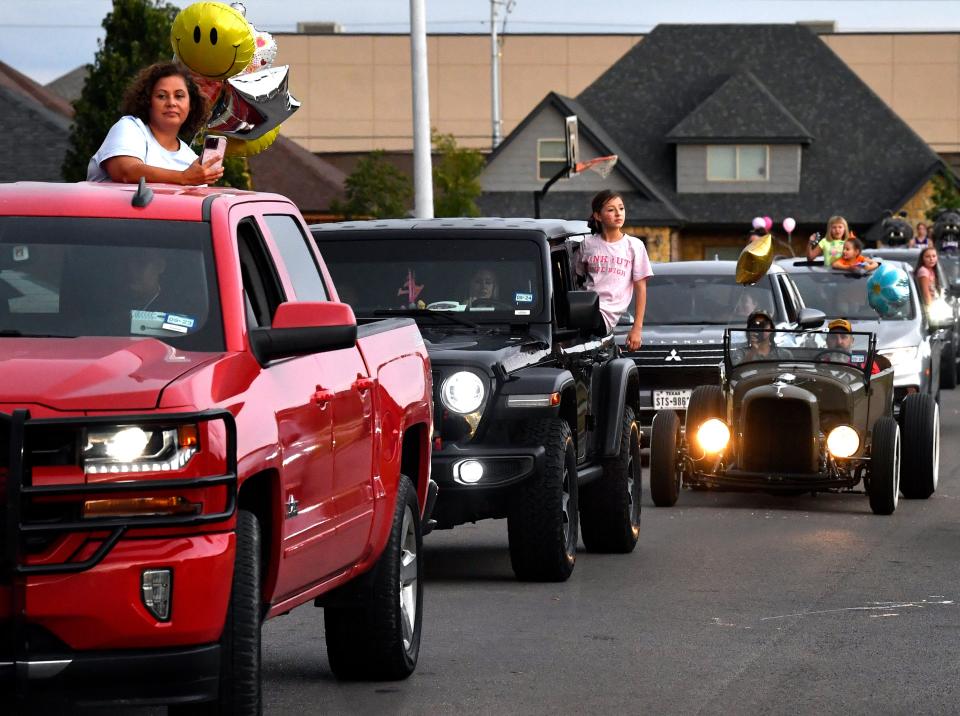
(767,223)
(789,225)
(758,222)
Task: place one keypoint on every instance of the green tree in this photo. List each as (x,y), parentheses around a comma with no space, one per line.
(456,177)
(137,35)
(944,196)
(376,189)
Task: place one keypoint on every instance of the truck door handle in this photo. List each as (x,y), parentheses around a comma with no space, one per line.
(362,384)
(322,396)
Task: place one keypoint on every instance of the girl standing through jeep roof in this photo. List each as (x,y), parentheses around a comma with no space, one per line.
(615,265)
(830,246)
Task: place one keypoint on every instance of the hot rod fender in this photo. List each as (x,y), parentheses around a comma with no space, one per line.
(620,385)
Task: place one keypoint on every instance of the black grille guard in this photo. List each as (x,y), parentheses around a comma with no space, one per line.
(19,488)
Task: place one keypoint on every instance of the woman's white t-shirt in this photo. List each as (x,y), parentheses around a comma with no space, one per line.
(130,137)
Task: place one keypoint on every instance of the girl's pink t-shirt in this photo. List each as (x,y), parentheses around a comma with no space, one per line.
(610,269)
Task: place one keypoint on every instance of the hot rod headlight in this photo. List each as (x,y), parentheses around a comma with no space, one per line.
(462,392)
(843,441)
(713,435)
(135,448)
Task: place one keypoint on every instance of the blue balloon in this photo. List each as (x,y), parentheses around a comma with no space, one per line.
(888,289)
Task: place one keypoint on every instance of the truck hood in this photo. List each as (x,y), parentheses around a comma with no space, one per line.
(892,334)
(77,374)
(485,350)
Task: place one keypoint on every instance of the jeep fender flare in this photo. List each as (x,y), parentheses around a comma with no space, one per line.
(619,375)
(539,381)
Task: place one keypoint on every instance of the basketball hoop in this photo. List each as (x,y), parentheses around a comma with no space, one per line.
(601,165)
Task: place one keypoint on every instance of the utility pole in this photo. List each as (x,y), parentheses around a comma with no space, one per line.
(422,166)
(494,73)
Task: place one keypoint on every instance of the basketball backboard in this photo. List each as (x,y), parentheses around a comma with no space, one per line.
(573,142)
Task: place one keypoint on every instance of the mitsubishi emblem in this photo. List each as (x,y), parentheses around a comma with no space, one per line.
(673,356)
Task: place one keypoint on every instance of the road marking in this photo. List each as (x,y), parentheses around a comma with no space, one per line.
(876,606)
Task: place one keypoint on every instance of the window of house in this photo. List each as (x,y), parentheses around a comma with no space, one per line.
(551,157)
(738,162)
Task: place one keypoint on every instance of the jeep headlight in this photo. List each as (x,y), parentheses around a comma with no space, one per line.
(462,392)
(902,356)
(713,435)
(138,448)
(843,441)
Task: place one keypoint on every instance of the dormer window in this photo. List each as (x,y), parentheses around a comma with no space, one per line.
(738,162)
(551,157)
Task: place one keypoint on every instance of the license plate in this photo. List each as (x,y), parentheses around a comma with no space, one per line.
(671,399)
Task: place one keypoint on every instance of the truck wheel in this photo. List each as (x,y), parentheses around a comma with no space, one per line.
(948,369)
(664,468)
(240,691)
(884,486)
(380,638)
(610,507)
(921,446)
(542,524)
(706,401)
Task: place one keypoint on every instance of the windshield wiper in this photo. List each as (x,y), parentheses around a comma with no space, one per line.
(452,317)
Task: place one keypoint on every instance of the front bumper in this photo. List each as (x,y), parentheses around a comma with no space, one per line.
(734,480)
(503,467)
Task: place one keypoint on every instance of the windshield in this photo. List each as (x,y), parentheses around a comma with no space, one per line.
(109,277)
(755,346)
(704,300)
(488,280)
(842,295)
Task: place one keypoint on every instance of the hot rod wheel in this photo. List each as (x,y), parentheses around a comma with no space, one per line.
(884,486)
(665,474)
(542,524)
(610,506)
(380,637)
(920,416)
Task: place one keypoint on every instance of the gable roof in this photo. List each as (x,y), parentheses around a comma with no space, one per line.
(862,158)
(20,83)
(307,180)
(69,86)
(741,110)
(647,203)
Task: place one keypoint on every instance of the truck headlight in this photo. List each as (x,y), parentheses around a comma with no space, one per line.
(843,441)
(135,448)
(462,392)
(713,435)
(901,356)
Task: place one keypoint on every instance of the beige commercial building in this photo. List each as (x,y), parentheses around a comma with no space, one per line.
(356,88)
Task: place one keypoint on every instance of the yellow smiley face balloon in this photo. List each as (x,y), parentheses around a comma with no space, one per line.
(212,39)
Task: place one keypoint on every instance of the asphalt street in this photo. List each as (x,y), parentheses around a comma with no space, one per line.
(731,603)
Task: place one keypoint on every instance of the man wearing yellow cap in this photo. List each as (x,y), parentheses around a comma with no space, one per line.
(840,340)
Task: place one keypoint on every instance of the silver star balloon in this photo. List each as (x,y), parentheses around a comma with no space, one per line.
(251,105)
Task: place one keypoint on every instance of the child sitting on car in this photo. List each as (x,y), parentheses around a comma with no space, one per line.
(852,258)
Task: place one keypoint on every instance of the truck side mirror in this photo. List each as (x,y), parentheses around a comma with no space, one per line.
(585,312)
(810,318)
(300,328)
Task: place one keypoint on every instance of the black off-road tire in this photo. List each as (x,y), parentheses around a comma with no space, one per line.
(920,469)
(948,368)
(542,522)
(706,401)
(379,639)
(240,688)
(610,506)
(884,486)
(665,476)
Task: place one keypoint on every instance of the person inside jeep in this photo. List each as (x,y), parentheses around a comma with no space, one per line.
(484,289)
(840,344)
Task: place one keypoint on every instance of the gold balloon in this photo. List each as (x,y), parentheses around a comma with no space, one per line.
(755,260)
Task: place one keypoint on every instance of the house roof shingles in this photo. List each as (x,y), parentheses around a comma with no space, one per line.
(742,109)
(687,82)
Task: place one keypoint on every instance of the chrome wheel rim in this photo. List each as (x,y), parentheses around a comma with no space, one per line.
(634,482)
(409,578)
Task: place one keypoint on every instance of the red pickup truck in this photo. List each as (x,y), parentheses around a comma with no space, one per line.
(195,436)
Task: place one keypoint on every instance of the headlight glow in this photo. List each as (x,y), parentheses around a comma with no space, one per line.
(462,392)
(901,356)
(133,448)
(843,441)
(713,435)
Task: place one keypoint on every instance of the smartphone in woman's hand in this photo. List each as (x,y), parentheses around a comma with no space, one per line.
(213,146)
